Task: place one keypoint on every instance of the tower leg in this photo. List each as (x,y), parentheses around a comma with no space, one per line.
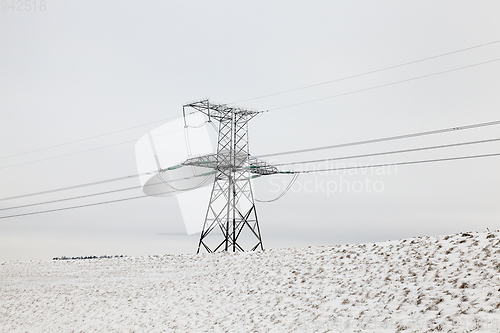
(231,222)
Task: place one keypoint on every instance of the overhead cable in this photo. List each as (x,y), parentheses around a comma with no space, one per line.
(89,138)
(282,172)
(112,191)
(292,181)
(89,150)
(75,207)
(391,164)
(366,73)
(264,96)
(450,129)
(99,182)
(385,85)
(273,109)
(391,152)
(389,138)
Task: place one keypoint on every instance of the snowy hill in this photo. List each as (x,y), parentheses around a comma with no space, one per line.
(422,284)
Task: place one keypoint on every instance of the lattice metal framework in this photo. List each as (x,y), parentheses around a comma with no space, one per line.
(231,209)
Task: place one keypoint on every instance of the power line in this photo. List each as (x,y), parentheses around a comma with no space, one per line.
(386,85)
(268,155)
(278,108)
(283,107)
(280,164)
(167,183)
(393,164)
(294,178)
(390,138)
(99,182)
(263,96)
(115,191)
(75,207)
(366,73)
(392,152)
(73,198)
(69,154)
(92,149)
(283,172)
(297,173)
(88,138)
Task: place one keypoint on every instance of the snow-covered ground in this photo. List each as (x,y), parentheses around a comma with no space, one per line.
(422,284)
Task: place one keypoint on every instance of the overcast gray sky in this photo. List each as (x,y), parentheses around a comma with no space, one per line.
(84,68)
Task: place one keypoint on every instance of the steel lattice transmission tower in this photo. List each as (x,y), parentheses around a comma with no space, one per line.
(231,208)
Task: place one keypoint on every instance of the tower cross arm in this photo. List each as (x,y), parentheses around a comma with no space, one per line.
(212,161)
(206,161)
(260,167)
(221,111)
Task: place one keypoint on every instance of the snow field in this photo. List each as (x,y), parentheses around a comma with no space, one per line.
(422,284)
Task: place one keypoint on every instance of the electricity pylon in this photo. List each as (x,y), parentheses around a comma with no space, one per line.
(231,208)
